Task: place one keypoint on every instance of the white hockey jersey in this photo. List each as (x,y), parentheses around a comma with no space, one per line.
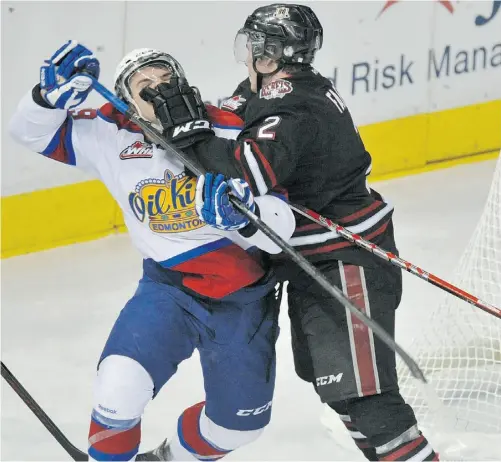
(152,189)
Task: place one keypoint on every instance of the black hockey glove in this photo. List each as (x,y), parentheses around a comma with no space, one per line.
(180,111)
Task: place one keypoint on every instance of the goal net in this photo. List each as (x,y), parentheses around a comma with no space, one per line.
(460,351)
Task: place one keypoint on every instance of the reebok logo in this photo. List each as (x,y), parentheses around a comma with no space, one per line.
(105,409)
(328,379)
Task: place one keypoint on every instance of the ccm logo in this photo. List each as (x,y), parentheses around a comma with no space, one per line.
(198,124)
(328,379)
(257,411)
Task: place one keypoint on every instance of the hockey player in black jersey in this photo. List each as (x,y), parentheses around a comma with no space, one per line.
(299,139)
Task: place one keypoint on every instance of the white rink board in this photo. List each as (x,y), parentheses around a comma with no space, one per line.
(413,58)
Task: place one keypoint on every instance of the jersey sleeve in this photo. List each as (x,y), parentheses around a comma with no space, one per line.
(277,214)
(266,151)
(78,138)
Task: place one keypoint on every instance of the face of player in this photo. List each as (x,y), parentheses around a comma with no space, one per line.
(243,54)
(149,76)
(263,66)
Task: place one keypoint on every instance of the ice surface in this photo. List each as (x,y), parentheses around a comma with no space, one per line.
(58,306)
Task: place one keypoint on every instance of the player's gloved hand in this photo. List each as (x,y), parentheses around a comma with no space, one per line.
(213,201)
(63,80)
(180,110)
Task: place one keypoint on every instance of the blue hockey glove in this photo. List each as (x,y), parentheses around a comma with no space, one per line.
(213,201)
(63,80)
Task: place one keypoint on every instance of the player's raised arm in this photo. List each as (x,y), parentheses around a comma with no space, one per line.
(46,121)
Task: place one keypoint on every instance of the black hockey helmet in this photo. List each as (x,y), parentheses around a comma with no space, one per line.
(286,33)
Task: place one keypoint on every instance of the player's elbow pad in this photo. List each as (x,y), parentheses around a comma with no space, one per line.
(35,126)
(278,216)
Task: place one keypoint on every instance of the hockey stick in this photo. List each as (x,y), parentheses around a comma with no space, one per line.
(306,266)
(74,452)
(396,261)
(48,423)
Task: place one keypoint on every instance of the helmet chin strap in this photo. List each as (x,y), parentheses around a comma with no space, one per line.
(261,75)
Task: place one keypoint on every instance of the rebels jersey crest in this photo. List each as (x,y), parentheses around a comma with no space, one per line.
(276,89)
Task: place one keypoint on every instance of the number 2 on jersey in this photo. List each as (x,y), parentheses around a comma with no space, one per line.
(264,132)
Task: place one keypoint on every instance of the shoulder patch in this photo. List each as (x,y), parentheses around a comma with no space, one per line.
(276,89)
(110,114)
(233,103)
(223,119)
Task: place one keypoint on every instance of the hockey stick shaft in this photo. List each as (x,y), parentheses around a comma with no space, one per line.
(397,261)
(74,452)
(306,266)
(48,423)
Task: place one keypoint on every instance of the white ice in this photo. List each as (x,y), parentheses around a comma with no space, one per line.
(58,306)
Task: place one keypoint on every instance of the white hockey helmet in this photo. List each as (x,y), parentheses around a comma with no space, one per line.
(136,59)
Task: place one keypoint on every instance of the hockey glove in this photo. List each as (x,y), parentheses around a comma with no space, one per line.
(63,81)
(180,111)
(213,201)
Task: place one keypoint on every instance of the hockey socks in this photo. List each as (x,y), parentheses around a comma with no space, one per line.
(410,445)
(200,438)
(359,438)
(111,439)
(190,443)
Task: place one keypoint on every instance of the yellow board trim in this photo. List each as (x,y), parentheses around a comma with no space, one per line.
(48,218)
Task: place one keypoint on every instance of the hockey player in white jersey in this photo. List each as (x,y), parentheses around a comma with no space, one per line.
(202,287)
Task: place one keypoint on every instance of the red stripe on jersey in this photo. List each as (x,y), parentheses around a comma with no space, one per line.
(238,156)
(122,122)
(221,272)
(341,245)
(60,153)
(118,442)
(190,428)
(400,454)
(219,117)
(265,163)
(362,346)
(360,213)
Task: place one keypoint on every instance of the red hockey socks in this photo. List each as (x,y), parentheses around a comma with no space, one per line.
(113,439)
(191,438)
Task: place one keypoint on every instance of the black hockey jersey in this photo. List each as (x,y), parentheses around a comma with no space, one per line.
(299,139)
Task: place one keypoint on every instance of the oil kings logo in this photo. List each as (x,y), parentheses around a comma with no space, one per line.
(168,203)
